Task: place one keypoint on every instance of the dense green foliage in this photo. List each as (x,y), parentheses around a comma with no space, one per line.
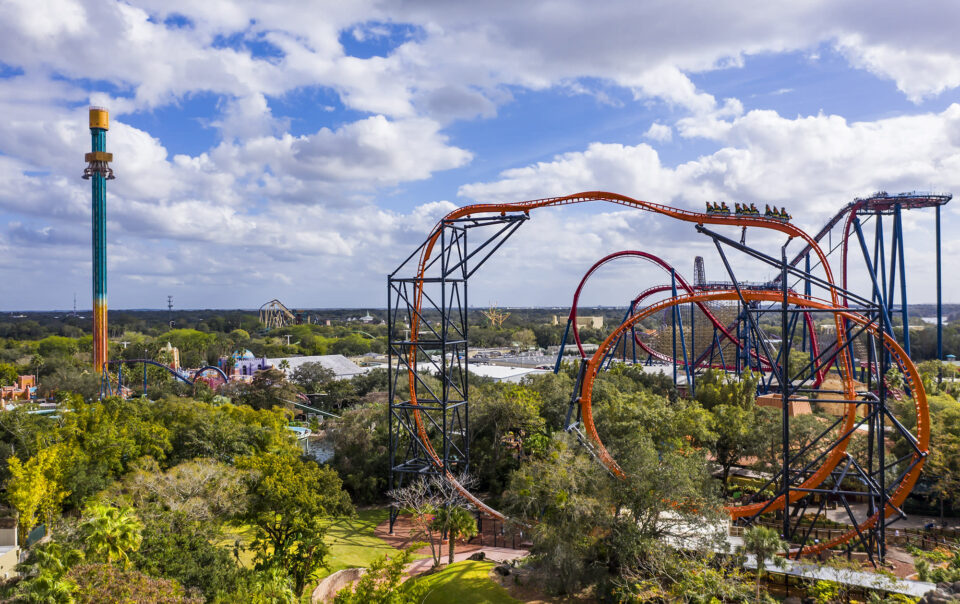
(938,566)
(108,584)
(151,491)
(763,543)
(361,451)
(110,534)
(289,499)
(155,482)
(381,584)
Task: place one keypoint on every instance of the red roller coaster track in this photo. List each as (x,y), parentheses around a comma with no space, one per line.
(656,260)
(808,322)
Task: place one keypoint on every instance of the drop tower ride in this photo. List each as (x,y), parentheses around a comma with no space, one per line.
(98,171)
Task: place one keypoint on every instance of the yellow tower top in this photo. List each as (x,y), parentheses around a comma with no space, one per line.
(99,118)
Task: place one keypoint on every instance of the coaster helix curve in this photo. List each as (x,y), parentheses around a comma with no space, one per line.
(699,218)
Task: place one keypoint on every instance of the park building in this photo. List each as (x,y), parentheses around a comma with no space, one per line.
(342,367)
(241,365)
(584,322)
(502,373)
(9,548)
(24,390)
(797,406)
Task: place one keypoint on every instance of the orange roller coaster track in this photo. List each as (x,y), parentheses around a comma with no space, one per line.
(906,366)
(414,415)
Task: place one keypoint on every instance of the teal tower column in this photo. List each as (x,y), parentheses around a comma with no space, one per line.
(98,171)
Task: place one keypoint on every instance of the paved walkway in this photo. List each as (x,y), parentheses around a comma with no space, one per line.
(867,580)
(806,570)
(911,521)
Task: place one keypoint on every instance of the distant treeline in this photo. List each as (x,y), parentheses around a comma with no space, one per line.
(523,326)
(30,325)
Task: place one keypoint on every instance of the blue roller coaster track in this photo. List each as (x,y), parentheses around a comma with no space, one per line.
(106,388)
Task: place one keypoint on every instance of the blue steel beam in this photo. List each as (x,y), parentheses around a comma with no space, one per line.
(904,309)
(939,296)
(678,322)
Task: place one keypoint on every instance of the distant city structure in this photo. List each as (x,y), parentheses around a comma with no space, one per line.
(98,171)
(584,321)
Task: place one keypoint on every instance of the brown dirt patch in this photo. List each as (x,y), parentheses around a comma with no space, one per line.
(899,562)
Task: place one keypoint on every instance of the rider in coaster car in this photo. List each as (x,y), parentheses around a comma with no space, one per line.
(753,209)
(767,212)
(739,210)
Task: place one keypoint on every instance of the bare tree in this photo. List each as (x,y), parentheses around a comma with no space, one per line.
(422,498)
(418,500)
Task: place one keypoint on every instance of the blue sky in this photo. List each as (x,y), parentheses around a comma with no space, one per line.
(269,150)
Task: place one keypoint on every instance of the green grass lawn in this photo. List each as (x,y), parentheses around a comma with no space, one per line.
(243,533)
(351,540)
(464,583)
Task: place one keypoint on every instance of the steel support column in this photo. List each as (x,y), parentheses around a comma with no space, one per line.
(939,297)
(437,358)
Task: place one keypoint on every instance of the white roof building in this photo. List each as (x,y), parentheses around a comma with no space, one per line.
(342,367)
(501,373)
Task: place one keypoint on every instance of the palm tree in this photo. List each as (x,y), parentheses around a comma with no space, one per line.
(110,533)
(762,542)
(458,522)
(55,559)
(50,563)
(37,362)
(48,588)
